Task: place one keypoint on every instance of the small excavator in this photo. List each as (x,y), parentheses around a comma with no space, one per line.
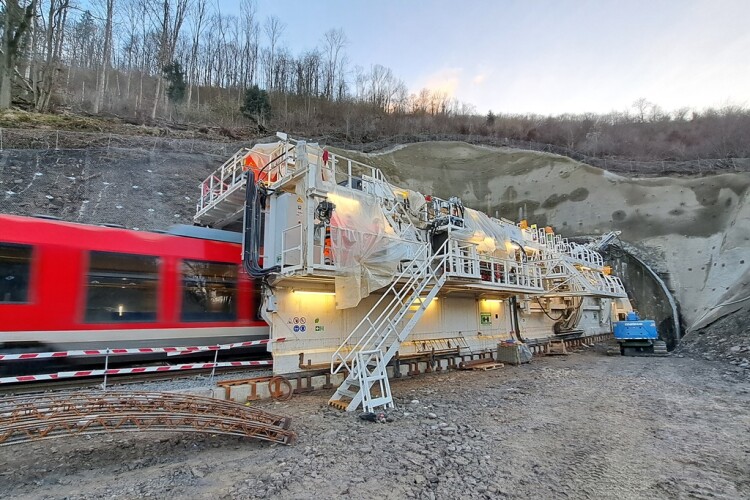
(638,337)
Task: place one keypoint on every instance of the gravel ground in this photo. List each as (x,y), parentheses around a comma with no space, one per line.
(581,426)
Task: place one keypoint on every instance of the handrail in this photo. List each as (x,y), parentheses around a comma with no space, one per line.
(407,270)
(531,271)
(408,289)
(374,332)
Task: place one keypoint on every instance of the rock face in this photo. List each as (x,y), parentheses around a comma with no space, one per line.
(133,188)
(696,230)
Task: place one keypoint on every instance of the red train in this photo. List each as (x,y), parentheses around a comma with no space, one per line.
(74,286)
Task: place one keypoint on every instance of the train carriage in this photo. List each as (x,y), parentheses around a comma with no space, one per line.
(75,286)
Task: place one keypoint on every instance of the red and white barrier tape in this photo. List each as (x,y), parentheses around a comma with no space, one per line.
(124,371)
(170,351)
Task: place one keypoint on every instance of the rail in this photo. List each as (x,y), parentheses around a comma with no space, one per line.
(225,179)
(400,294)
(464,263)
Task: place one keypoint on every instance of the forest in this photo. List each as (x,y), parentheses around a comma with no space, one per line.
(185,63)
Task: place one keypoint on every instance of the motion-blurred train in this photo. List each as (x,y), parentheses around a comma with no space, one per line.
(74,286)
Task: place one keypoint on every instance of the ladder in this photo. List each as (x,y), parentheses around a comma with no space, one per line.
(382,330)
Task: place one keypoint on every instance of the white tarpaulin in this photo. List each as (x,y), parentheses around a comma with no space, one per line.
(365,248)
(490,236)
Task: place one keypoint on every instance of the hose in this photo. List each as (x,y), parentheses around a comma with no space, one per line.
(254,199)
(252,228)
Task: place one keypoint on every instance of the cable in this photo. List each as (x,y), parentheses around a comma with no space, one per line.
(562,315)
(254,199)
(252,236)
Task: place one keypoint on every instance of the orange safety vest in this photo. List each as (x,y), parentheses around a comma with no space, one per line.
(327,247)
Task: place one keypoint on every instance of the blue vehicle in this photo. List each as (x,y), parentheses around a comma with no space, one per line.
(638,337)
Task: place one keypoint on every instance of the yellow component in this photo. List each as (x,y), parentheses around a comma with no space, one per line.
(548,230)
(523,224)
(607,270)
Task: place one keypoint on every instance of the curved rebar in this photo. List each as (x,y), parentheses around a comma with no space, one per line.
(35,417)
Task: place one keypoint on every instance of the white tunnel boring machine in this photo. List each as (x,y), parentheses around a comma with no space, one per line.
(356,271)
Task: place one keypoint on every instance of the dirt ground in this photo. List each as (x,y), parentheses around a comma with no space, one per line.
(581,426)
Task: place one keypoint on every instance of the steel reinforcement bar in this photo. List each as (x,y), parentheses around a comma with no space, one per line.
(30,418)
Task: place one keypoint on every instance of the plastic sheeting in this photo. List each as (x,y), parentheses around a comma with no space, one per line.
(490,236)
(365,247)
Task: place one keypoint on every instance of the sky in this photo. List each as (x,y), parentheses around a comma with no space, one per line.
(541,56)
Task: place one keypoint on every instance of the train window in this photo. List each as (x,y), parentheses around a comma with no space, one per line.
(121,288)
(15,265)
(209,291)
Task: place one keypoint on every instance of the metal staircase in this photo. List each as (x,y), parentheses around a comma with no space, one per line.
(377,338)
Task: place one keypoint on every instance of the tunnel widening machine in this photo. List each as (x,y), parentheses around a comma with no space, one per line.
(357,273)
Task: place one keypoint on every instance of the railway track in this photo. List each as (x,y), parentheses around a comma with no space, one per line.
(120,380)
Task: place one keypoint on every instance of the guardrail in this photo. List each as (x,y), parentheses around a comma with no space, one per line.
(107,353)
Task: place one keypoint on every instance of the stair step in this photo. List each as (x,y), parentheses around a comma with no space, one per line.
(339,404)
(346,393)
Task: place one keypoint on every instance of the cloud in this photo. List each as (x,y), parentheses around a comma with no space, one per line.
(479,79)
(446,80)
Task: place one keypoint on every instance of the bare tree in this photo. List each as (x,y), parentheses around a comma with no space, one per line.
(17,19)
(197,26)
(250,31)
(106,57)
(273,28)
(333,43)
(169,30)
(641,106)
(45,74)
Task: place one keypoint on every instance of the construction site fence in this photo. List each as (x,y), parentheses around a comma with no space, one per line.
(11,138)
(108,353)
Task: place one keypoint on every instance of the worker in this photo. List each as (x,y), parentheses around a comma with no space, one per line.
(327,247)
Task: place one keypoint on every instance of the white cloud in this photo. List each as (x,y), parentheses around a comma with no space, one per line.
(446,80)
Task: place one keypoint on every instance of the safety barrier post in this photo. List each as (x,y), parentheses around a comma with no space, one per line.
(213,368)
(106,368)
